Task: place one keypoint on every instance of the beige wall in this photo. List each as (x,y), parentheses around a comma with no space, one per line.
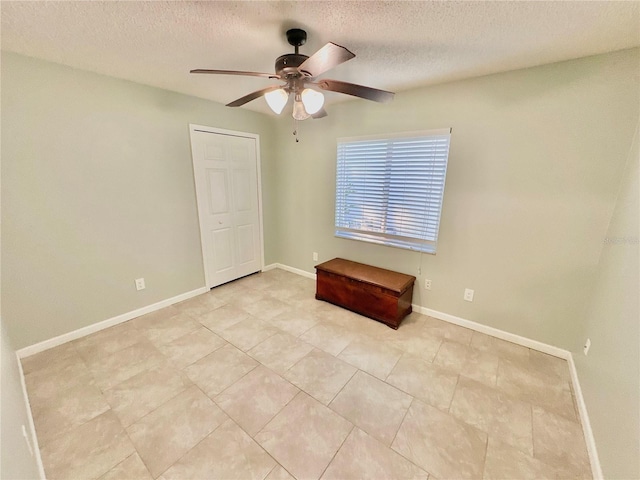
(97,190)
(536,157)
(16,461)
(610,374)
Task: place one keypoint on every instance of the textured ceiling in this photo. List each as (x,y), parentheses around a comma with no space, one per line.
(398,44)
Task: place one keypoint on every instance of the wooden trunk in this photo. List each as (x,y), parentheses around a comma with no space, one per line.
(377,293)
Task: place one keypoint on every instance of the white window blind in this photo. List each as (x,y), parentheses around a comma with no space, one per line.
(389,190)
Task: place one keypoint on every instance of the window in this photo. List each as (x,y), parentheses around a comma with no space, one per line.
(389,189)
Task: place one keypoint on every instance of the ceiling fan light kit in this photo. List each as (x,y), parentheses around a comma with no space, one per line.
(276,100)
(299,73)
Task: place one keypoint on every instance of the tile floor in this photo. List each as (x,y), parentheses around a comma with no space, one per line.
(257,379)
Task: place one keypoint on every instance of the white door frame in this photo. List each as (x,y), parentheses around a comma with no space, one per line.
(220,131)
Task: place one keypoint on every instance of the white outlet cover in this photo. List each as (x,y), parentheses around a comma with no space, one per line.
(468,294)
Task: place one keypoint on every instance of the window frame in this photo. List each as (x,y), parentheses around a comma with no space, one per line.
(414,243)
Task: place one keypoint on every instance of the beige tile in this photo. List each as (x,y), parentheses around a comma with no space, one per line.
(429,383)
(309,284)
(72,407)
(248,333)
(245,296)
(279,473)
(130,468)
(145,321)
(232,290)
(167,329)
(227,453)
(99,345)
(256,398)
(452,356)
(52,359)
(117,367)
(447,330)
(307,449)
(47,382)
(321,375)
(356,323)
(481,367)
(305,300)
(499,347)
(223,317)
(467,361)
(328,337)
(219,369)
(189,348)
(506,462)
(416,342)
(280,351)
(144,392)
(412,323)
(530,385)
(440,444)
(294,322)
(259,281)
(559,442)
(87,451)
(494,412)
(284,290)
(362,456)
(266,308)
(201,304)
(166,434)
(550,365)
(372,405)
(372,356)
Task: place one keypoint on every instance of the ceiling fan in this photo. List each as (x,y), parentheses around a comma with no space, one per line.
(300,72)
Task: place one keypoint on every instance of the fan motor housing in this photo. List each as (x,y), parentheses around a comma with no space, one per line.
(287,65)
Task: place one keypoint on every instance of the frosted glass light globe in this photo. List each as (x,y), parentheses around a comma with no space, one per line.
(276,100)
(312,100)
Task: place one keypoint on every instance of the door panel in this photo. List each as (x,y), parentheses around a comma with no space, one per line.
(217,191)
(222,250)
(246,245)
(242,189)
(226,177)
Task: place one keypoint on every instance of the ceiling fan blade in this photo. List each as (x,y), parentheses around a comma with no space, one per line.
(320,114)
(361,91)
(252,96)
(329,56)
(235,72)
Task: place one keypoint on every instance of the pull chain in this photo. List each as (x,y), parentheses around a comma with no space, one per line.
(295,130)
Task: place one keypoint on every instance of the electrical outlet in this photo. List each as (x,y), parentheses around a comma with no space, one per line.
(587,346)
(315,256)
(468,294)
(140,284)
(427,284)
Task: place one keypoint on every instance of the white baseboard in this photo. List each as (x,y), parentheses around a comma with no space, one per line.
(297,271)
(519,340)
(96,327)
(495,332)
(594,459)
(32,427)
(271,266)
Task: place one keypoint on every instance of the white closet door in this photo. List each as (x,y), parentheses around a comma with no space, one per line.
(227,191)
